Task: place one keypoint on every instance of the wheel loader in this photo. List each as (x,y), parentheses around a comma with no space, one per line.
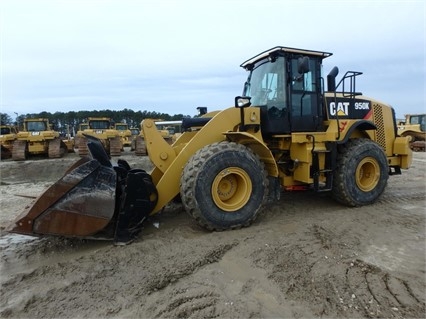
(285,132)
(414,126)
(38,138)
(103,129)
(7,137)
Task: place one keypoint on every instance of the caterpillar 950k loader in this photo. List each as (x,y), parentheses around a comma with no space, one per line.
(285,132)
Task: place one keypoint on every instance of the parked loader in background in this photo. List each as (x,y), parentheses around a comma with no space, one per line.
(125,134)
(37,138)
(103,129)
(414,126)
(284,133)
(7,137)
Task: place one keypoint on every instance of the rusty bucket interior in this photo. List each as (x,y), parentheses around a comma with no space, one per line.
(80,204)
(94,199)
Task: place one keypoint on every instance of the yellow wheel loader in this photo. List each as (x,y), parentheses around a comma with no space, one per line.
(285,132)
(38,138)
(103,129)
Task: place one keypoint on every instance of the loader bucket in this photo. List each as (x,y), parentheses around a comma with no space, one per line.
(94,199)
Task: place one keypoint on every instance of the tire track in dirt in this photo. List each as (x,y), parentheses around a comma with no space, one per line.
(110,276)
(353,289)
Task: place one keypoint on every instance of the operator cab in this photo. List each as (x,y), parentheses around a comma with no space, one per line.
(286,84)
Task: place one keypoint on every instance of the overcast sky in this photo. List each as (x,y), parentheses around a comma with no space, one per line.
(172,56)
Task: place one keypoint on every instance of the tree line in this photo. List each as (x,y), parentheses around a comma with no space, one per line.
(72,119)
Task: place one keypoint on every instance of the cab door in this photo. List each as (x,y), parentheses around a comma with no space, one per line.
(305,92)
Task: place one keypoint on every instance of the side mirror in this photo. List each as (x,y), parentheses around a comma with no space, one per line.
(242,101)
(303,65)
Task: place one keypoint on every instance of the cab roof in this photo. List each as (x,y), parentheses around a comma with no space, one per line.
(286,50)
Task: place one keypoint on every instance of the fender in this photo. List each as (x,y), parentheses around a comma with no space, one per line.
(258,147)
(169,160)
(361,125)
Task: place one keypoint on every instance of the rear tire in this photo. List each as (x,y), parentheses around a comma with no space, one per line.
(362,173)
(224,186)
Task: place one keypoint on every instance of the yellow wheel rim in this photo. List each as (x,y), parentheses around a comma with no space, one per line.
(367,174)
(231,189)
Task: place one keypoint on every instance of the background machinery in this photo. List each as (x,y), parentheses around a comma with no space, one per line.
(79,134)
(7,137)
(37,138)
(167,131)
(135,132)
(285,132)
(125,134)
(103,129)
(414,126)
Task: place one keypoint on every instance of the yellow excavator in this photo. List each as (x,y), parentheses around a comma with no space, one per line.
(285,132)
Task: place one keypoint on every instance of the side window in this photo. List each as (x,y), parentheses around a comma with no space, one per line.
(304,89)
(414,120)
(306,81)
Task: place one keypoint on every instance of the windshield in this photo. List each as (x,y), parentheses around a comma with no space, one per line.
(266,83)
(121,127)
(5,130)
(419,119)
(36,126)
(102,125)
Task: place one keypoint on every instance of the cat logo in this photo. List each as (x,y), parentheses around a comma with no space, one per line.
(341,109)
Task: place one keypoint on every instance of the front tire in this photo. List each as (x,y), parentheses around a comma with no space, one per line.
(224,186)
(362,173)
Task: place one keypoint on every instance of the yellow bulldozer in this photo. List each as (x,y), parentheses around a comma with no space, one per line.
(285,132)
(7,137)
(79,135)
(125,134)
(166,132)
(103,129)
(134,134)
(414,126)
(38,138)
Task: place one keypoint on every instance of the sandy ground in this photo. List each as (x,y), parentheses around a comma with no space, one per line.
(305,256)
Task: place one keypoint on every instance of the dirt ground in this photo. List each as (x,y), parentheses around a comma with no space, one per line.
(305,256)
